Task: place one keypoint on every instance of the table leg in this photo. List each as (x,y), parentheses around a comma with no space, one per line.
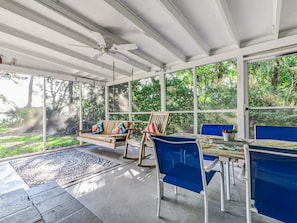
(231,161)
(226,161)
(228,179)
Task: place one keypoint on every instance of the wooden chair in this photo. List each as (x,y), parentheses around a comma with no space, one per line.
(161,119)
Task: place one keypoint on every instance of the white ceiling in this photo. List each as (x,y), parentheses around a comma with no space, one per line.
(36,36)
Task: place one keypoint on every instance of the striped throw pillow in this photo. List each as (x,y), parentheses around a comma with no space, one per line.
(152,129)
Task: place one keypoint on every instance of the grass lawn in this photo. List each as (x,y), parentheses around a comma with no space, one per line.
(5,130)
(23,144)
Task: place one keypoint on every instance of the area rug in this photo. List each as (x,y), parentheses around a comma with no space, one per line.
(64,167)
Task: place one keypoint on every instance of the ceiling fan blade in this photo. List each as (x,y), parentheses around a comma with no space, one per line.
(97,56)
(78,45)
(124,47)
(99,39)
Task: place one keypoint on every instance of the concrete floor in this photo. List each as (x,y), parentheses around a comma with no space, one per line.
(128,194)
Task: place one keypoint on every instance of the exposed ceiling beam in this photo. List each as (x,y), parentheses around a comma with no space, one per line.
(146,28)
(33,71)
(289,32)
(36,55)
(80,19)
(183,23)
(36,40)
(228,21)
(255,41)
(35,17)
(48,73)
(278,44)
(42,20)
(276,14)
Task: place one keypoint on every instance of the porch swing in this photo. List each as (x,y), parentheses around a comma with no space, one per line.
(108,136)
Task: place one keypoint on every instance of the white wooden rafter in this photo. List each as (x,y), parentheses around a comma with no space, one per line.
(81,20)
(183,23)
(37,18)
(276,15)
(146,28)
(36,55)
(60,49)
(228,21)
(48,73)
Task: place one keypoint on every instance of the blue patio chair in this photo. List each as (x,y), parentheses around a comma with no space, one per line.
(179,162)
(271,182)
(287,133)
(216,130)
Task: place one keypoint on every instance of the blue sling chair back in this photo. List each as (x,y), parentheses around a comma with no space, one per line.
(216,130)
(287,133)
(271,182)
(179,162)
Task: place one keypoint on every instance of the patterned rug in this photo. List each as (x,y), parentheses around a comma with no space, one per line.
(64,167)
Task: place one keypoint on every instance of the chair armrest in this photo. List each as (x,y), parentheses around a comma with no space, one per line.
(130,129)
(149,132)
(212,165)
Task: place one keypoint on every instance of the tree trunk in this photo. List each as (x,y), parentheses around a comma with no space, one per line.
(275,75)
(70,92)
(30,92)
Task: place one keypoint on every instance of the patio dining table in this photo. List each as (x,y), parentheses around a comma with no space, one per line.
(226,150)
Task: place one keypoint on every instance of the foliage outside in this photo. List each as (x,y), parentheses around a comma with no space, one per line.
(22,118)
(272,101)
(272,83)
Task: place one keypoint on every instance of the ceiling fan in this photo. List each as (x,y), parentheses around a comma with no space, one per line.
(105,46)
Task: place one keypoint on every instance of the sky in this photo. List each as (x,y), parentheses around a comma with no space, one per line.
(18,93)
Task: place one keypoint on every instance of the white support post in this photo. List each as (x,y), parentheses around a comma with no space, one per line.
(80,110)
(163,92)
(130,99)
(242,98)
(195,100)
(44,115)
(106,102)
(246,100)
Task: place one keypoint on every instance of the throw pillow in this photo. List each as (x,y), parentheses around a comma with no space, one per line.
(120,129)
(152,129)
(94,128)
(116,130)
(97,128)
(100,127)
